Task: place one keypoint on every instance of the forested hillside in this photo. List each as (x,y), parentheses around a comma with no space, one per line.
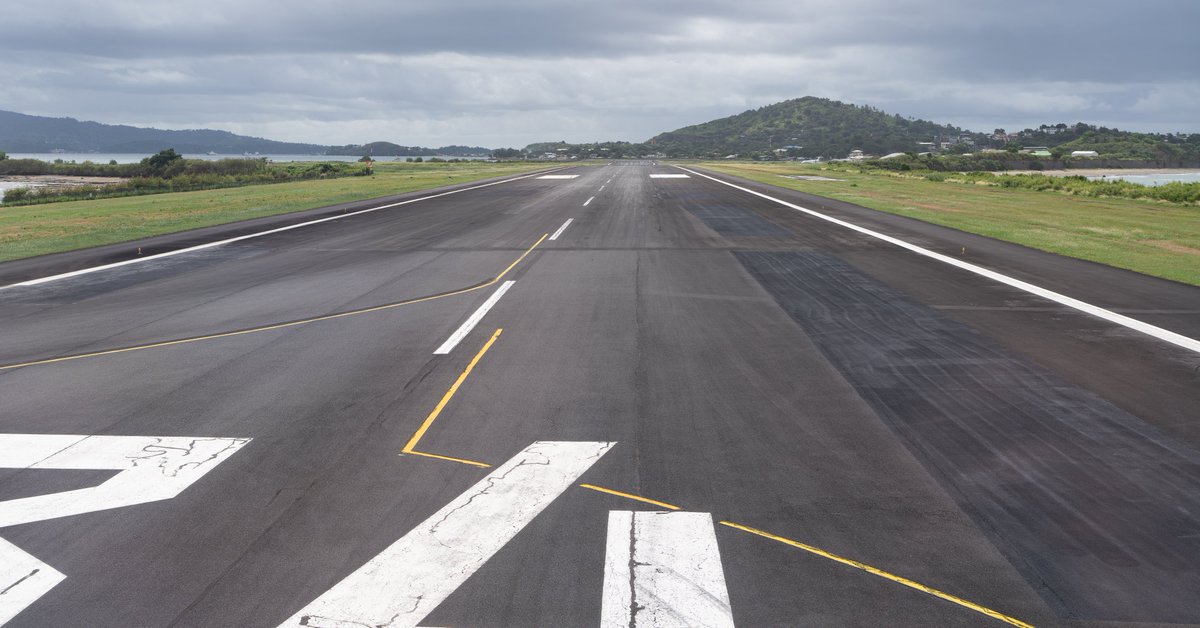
(820,127)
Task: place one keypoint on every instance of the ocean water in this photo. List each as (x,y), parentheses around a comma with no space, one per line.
(1153,179)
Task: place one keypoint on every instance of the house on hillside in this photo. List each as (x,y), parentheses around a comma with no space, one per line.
(1084,153)
(856,155)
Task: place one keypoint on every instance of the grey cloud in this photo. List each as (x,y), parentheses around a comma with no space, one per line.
(515,72)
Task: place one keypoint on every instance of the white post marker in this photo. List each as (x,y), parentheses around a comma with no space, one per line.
(1165,335)
(562,229)
(663,569)
(410,578)
(473,320)
(23,579)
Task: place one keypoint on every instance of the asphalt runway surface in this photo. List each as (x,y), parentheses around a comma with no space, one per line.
(599,398)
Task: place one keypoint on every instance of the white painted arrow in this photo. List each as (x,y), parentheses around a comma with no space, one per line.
(23,579)
(410,578)
(152,468)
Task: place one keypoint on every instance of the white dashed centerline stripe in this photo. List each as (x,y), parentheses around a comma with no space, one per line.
(208,245)
(601,188)
(562,229)
(474,319)
(1165,335)
(663,569)
(410,578)
(590,199)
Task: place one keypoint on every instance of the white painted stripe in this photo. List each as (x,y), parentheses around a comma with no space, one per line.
(23,579)
(152,468)
(1131,323)
(207,245)
(663,569)
(669,176)
(562,229)
(473,320)
(601,188)
(558,176)
(410,578)
(590,199)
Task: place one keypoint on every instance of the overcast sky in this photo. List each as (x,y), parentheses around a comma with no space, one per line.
(509,73)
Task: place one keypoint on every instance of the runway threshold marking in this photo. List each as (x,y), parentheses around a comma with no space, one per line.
(473,320)
(410,447)
(663,569)
(879,572)
(411,577)
(1154,331)
(284,325)
(198,247)
(562,229)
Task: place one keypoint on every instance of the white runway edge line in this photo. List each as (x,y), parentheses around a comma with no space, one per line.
(663,569)
(207,245)
(1131,323)
(414,575)
(562,228)
(473,320)
(590,199)
(23,579)
(669,176)
(559,176)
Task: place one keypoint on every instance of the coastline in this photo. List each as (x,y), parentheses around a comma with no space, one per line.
(1106,172)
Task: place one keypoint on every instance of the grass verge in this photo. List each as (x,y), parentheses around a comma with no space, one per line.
(1154,238)
(26,231)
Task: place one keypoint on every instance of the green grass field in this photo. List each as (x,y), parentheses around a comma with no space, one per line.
(1150,237)
(26,231)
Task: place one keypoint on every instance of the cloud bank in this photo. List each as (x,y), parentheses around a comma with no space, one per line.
(500,74)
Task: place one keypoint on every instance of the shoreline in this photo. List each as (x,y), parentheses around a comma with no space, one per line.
(1106,172)
(46,180)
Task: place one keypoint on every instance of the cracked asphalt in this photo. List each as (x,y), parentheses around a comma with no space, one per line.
(749,361)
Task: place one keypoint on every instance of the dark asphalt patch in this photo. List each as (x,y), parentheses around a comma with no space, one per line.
(735,220)
(1098,510)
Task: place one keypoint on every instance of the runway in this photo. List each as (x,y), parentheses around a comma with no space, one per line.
(631,394)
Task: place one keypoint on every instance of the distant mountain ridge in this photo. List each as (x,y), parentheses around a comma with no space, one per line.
(21,133)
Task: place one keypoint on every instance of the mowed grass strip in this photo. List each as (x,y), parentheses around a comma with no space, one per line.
(26,231)
(1150,237)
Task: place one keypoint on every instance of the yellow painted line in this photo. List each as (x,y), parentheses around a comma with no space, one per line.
(881,573)
(254,330)
(450,458)
(416,438)
(631,496)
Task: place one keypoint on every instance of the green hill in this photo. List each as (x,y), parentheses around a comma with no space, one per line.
(820,127)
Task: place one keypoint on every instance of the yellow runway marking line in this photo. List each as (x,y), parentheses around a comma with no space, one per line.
(631,496)
(416,438)
(253,330)
(473,463)
(881,573)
